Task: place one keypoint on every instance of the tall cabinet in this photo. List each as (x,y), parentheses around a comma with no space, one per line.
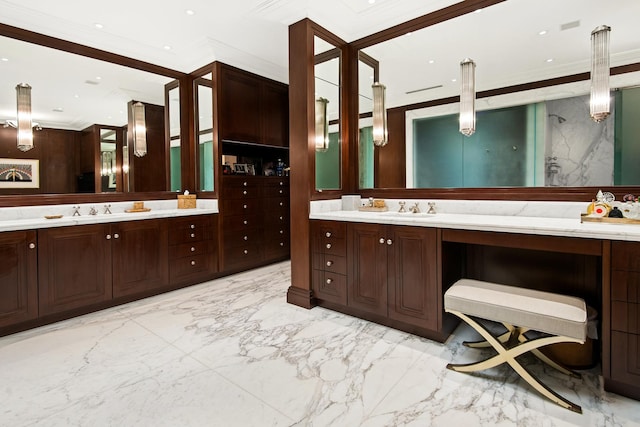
(18,277)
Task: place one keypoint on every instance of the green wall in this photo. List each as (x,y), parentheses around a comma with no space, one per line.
(328,165)
(627,137)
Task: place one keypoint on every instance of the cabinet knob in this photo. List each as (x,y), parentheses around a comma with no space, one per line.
(389,242)
(244,206)
(193,249)
(32,245)
(328,245)
(281,204)
(381,240)
(281,183)
(193,263)
(281,191)
(244,192)
(246,238)
(281,243)
(245,251)
(328,234)
(192,226)
(281,218)
(329,281)
(245,222)
(281,231)
(244,183)
(193,235)
(116,236)
(108,236)
(329,263)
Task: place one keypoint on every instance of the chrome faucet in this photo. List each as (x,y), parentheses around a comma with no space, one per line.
(76,211)
(402,209)
(107,209)
(415,208)
(93,211)
(432,208)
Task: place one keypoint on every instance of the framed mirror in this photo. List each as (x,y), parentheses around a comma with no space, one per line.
(204,131)
(533,125)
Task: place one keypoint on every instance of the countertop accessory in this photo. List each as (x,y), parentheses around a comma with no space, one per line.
(53,216)
(186,200)
(137,207)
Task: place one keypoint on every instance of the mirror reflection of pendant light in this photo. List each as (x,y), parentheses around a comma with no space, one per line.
(25,125)
(600,102)
(467,97)
(380,132)
(138,129)
(322,125)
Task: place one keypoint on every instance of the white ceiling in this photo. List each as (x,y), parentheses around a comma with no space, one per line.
(253,35)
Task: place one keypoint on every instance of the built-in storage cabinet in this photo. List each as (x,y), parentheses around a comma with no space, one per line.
(255,220)
(625,317)
(74,267)
(387,272)
(18,277)
(193,249)
(252,108)
(329,257)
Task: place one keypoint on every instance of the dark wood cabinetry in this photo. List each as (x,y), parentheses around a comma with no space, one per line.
(625,319)
(140,258)
(74,267)
(252,108)
(18,277)
(367,271)
(255,221)
(329,241)
(192,249)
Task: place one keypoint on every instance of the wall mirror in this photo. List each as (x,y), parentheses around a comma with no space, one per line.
(72,94)
(328,145)
(204,130)
(531,138)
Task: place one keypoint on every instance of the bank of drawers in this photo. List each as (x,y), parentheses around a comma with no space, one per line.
(255,215)
(192,248)
(329,258)
(625,311)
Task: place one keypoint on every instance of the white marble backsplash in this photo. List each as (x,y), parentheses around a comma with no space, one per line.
(475,207)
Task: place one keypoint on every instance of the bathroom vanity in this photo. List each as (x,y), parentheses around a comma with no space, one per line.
(393,268)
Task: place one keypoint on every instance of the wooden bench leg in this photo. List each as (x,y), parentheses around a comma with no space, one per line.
(508,355)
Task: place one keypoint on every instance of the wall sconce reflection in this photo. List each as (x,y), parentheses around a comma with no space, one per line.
(322,125)
(380,131)
(138,128)
(600,103)
(467,97)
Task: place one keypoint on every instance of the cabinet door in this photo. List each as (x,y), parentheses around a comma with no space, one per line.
(74,267)
(18,277)
(140,252)
(240,106)
(275,114)
(412,276)
(367,277)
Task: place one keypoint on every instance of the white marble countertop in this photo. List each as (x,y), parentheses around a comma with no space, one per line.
(33,217)
(500,222)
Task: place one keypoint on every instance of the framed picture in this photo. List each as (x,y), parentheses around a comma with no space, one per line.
(240,168)
(19,173)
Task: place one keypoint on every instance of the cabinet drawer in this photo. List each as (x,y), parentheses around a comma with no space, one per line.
(625,357)
(276,204)
(272,191)
(276,249)
(250,191)
(332,246)
(188,235)
(330,263)
(182,268)
(274,233)
(235,207)
(625,256)
(625,317)
(277,218)
(238,238)
(329,229)
(242,256)
(330,286)
(191,222)
(240,222)
(625,285)
(191,249)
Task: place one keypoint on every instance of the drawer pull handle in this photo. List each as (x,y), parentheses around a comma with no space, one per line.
(281,204)
(281,218)
(389,242)
(329,263)
(245,251)
(244,192)
(281,231)
(328,245)
(328,234)
(193,263)
(193,226)
(244,183)
(281,243)
(281,183)
(381,240)
(108,236)
(193,249)
(32,245)
(245,222)
(246,238)
(193,235)
(244,206)
(281,191)
(116,236)
(329,281)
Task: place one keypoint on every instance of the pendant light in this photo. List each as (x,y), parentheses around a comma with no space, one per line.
(467,97)
(600,103)
(322,125)
(380,132)
(25,125)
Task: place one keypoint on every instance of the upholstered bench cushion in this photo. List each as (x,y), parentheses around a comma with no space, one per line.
(541,311)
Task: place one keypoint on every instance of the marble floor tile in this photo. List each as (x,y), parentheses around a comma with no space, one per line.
(232,352)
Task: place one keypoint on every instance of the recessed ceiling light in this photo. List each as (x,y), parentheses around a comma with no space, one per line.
(550,60)
(98,25)
(189,12)
(58,110)
(76,96)
(542,33)
(372,1)
(431,61)
(454,80)
(98,78)
(167,47)
(5,59)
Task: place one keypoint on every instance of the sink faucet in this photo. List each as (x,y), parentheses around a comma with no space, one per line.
(415,208)
(432,208)
(93,211)
(107,209)
(76,211)
(402,209)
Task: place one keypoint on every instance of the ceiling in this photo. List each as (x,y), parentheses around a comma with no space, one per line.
(253,35)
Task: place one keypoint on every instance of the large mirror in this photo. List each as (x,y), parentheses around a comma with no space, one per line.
(537,137)
(80,114)
(204,131)
(328,145)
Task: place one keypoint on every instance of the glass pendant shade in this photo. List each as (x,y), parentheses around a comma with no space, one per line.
(138,129)
(600,103)
(380,132)
(24,125)
(322,125)
(467,97)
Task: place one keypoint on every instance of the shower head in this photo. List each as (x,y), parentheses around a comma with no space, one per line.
(560,118)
